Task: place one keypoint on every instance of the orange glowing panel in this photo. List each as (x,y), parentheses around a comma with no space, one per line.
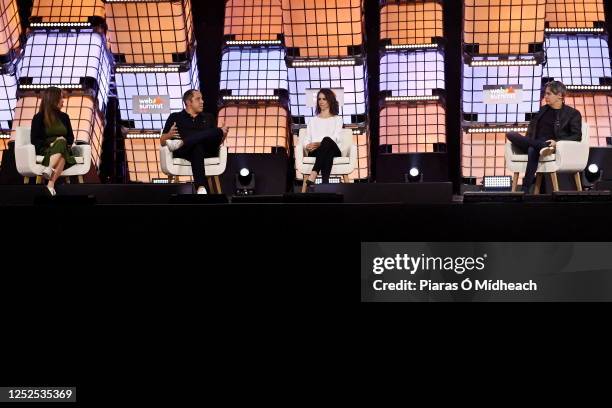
(363,157)
(10,26)
(159,32)
(143,162)
(483,155)
(574,13)
(86,120)
(255,129)
(55,11)
(412,128)
(322,28)
(253,20)
(3,146)
(504,26)
(596,110)
(412,23)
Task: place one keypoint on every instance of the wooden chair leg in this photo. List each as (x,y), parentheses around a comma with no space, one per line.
(26,180)
(345,178)
(210,185)
(555,181)
(515,177)
(538,184)
(304,185)
(578,181)
(81,180)
(38,179)
(218,184)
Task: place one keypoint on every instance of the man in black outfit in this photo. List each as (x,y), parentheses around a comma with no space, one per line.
(192,135)
(555,121)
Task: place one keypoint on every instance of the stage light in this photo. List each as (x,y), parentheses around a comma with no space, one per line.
(414,175)
(245,182)
(497,183)
(592,173)
(582,30)
(412,98)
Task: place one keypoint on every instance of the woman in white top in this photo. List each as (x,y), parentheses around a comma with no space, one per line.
(323,135)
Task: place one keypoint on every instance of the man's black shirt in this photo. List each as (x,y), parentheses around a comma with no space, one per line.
(188,125)
(546,124)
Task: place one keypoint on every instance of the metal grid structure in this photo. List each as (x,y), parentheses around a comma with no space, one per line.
(10,28)
(255,128)
(574,13)
(503,27)
(150,32)
(411,22)
(413,128)
(171,84)
(253,71)
(322,28)
(67,58)
(253,20)
(577,59)
(67,11)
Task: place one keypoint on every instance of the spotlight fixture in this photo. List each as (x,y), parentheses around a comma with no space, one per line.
(592,173)
(414,175)
(245,182)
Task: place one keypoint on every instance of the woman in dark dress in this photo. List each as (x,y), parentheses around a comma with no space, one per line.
(52,136)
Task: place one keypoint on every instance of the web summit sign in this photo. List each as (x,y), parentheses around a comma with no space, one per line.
(503,94)
(155,104)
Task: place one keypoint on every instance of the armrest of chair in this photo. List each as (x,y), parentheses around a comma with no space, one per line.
(165,159)
(572,156)
(299,154)
(25,159)
(84,151)
(223,156)
(353,156)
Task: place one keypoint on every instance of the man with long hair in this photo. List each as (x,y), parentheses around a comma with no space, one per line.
(555,121)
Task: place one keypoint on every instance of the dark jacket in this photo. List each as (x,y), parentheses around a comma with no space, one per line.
(39,135)
(569,126)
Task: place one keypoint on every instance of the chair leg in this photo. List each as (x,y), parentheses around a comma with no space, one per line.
(345,178)
(218,184)
(210,185)
(26,180)
(578,181)
(81,180)
(170,179)
(304,184)
(38,179)
(515,177)
(538,184)
(555,181)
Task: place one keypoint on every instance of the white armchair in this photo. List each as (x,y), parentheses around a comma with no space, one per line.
(174,166)
(569,157)
(30,165)
(343,165)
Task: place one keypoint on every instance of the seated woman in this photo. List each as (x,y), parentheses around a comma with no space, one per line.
(323,135)
(52,136)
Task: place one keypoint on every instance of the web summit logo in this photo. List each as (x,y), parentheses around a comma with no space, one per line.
(151,104)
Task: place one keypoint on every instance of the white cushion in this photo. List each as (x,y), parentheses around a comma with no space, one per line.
(79,160)
(525,158)
(337,160)
(211,161)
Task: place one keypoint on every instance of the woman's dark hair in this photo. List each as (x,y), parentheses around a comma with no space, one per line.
(48,105)
(334,107)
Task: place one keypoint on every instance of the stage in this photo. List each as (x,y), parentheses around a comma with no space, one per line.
(354,212)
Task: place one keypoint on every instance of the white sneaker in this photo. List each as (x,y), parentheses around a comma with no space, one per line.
(174,144)
(47,173)
(201,190)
